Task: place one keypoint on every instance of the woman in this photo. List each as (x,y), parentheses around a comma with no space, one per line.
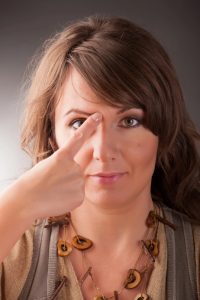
(111,143)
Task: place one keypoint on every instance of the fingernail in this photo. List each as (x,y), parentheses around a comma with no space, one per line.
(97,117)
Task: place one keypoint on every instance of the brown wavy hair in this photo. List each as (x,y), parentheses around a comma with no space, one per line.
(126,66)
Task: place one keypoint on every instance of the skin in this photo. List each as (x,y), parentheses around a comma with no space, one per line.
(114,214)
(113,147)
(41,191)
(111,215)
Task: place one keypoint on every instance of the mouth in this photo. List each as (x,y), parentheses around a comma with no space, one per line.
(107,178)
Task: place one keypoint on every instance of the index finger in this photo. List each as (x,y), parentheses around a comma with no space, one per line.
(73,145)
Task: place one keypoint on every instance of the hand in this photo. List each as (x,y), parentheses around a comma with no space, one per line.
(56,185)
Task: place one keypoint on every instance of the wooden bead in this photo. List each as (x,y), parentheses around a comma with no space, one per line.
(133,279)
(81,243)
(116,295)
(151,219)
(141,297)
(63,248)
(153,247)
(100,298)
(59,220)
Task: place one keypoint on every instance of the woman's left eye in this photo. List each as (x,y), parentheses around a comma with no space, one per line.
(129,122)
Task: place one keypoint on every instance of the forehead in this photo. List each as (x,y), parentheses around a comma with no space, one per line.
(76,90)
(77,94)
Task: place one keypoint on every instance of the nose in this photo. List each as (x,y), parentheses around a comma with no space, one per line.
(105,145)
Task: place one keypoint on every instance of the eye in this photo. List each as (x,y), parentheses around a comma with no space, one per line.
(75,124)
(130,122)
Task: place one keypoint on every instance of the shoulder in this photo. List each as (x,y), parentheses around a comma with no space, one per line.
(189,233)
(14,269)
(182,221)
(179,218)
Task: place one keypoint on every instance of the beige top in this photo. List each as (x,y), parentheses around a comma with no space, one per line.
(15,268)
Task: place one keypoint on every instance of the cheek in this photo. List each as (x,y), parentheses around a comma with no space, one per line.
(143,150)
(62,135)
(59,135)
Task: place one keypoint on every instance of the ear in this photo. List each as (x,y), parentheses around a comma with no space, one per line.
(53,144)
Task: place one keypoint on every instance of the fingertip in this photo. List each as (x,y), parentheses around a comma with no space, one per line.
(97,117)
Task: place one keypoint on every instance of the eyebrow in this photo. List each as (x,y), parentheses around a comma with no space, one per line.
(120,111)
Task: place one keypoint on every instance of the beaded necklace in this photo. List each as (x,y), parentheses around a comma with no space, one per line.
(137,277)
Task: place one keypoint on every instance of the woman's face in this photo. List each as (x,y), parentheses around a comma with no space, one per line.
(118,159)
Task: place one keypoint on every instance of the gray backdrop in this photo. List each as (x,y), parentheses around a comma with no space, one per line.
(25,24)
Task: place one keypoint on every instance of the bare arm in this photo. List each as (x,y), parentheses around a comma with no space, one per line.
(52,187)
(13,217)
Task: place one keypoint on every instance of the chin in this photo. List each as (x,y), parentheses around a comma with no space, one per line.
(106,199)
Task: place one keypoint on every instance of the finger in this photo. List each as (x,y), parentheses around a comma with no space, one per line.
(74,144)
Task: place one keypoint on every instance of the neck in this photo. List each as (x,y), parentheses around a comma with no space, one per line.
(113,228)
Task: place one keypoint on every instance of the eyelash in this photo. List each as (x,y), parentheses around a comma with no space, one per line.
(138,122)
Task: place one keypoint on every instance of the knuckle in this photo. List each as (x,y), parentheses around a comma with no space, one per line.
(78,134)
(58,156)
(80,198)
(77,201)
(82,186)
(61,157)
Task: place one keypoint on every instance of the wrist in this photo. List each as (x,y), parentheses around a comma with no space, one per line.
(15,205)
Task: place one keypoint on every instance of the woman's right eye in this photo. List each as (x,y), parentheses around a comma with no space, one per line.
(75,124)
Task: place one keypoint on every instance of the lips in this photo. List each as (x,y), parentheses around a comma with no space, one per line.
(107,178)
(110,174)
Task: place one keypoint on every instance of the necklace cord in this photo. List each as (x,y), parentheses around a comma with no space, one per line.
(149,251)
